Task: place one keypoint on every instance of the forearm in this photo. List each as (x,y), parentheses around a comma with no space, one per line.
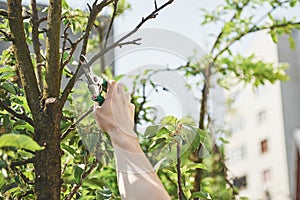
(136,177)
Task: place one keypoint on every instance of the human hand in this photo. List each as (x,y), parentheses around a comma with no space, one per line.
(116,115)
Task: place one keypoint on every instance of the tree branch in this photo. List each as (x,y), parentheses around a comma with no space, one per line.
(94,11)
(72,127)
(71,52)
(77,186)
(53,73)
(237,12)
(3,13)
(253,30)
(6,35)
(180,191)
(65,37)
(111,21)
(22,162)
(22,54)
(152,15)
(22,116)
(24,178)
(36,44)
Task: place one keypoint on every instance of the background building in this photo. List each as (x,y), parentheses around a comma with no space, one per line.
(262,152)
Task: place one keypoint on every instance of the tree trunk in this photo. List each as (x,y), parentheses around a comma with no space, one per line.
(48,161)
(197,157)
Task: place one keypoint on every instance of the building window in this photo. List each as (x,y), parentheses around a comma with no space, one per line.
(261,116)
(241,182)
(239,124)
(237,154)
(266,176)
(264,146)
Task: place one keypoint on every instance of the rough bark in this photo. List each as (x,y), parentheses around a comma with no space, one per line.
(53,73)
(24,64)
(47,127)
(46,110)
(48,162)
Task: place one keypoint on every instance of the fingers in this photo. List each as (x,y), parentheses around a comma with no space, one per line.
(117,89)
(128,97)
(111,88)
(120,88)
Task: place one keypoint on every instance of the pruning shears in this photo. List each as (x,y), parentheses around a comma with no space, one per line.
(96,84)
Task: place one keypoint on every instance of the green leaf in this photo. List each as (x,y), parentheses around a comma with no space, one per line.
(187,121)
(274,36)
(68,149)
(9,87)
(202,195)
(151,130)
(196,166)
(7,123)
(292,42)
(104,194)
(78,171)
(162,131)
(168,120)
(19,123)
(19,141)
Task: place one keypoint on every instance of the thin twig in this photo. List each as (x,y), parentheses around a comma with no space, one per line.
(237,12)
(6,35)
(3,13)
(25,194)
(22,116)
(72,50)
(23,162)
(180,191)
(65,39)
(77,186)
(152,15)
(73,126)
(24,178)
(111,21)
(71,83)
(94,11)
(254,29)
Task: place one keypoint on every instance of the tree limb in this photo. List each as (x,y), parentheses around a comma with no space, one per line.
(237,12)
(94,11)
(72,126)
(22,54)
(179,190)
(36,44)
(77,186)
(111,21)
(22,162)
(24,178)
(152,15)
(253,30)
(22,116)
(6,35)
(71,52)
(65,37)
(53,73)
(3,13)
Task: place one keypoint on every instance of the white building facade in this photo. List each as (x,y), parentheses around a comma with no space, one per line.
(262,153)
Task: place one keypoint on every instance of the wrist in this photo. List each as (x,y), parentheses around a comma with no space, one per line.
(127,141)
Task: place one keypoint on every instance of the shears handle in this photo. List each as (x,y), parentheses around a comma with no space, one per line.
(99,98)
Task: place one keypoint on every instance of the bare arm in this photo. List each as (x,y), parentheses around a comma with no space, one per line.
(136,177)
